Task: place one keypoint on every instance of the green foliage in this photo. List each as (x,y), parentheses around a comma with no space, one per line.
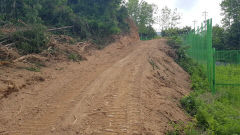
(142,14)
(180,128)
(213,113)
(32,40)
(171,32)
(147,33)
(218,38)
(90,19)
(231,20)
(74,57)
(99,18)
(25,10)
(189,104)
(175,42)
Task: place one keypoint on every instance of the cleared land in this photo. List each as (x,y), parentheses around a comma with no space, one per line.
(123,89)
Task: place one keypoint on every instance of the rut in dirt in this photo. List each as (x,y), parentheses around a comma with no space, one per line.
(123,89)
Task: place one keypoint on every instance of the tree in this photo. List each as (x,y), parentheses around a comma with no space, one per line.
(25,10)
(168,18)
(231,21)
(171,32)
(142,14)
(133,10)
(218,38)
(90,19)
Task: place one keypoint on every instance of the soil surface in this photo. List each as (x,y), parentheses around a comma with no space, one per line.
(130,89)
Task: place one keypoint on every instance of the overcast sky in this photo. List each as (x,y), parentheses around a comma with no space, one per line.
(192,10)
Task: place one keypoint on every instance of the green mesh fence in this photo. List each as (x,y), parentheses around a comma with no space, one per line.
(228,74)
(200,49)
(222,67)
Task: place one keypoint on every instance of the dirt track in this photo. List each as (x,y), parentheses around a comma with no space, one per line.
(123,89)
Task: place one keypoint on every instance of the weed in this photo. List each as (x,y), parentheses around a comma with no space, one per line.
(180,128)
(34,69)
(74,57)
(154,65)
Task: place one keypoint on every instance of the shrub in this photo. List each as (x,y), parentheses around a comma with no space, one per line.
(189,104)
(32,40)
(175,41)
(74,57)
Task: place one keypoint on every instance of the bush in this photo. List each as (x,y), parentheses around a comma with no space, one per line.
(74,57)
(189,104)
(32,40)
(175,41)
(171,32)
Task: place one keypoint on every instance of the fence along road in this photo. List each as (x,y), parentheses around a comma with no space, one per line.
(222,67)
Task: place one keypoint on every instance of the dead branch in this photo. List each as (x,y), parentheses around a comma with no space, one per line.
(21,58)
(8,45)
(65,27)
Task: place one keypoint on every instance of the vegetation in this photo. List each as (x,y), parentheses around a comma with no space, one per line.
(85,19)
(227,36)
(213,114)
(219,36)
(33,69)
(169,19)
(142,14)
(74,57)
(171,32)
(32,40)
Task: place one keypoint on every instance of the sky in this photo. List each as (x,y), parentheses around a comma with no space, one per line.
(191,10)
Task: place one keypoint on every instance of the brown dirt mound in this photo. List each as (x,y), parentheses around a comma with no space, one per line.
(8,53)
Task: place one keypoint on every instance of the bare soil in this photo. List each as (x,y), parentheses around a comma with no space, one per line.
(126,88)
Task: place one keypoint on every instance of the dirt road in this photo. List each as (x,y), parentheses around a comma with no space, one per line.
(122,89)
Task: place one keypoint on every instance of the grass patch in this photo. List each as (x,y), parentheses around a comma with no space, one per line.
(228,74)
(33,69)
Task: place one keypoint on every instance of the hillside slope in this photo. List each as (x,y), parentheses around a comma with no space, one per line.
(123,89)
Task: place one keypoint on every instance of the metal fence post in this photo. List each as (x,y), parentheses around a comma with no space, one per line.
(214,71)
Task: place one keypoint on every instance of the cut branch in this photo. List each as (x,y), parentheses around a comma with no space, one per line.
(65,27)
